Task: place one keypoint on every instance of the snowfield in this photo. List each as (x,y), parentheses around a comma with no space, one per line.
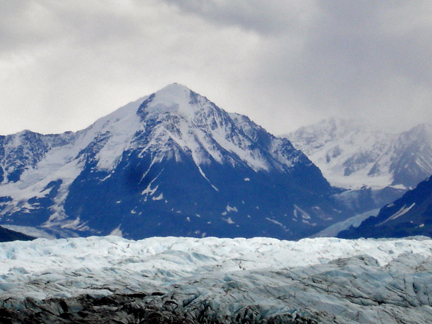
(263,280)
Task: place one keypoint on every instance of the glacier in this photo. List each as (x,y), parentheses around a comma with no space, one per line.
(216,280)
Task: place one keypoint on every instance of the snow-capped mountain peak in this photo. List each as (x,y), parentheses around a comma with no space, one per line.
(172,98)
(311,138)
(178,119)
(173,116)
(164,159)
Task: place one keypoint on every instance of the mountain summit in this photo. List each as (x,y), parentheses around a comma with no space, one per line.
(172,163)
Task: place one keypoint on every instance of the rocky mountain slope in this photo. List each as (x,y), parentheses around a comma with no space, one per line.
(172,163)
(7,235)
(410,215)
(185,280)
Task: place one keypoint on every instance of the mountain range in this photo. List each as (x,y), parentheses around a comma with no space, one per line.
(174,163)
(171,163)
(372,167)
(353,154)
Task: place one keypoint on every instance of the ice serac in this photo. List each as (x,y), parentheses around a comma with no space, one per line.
(408,216)
(171,163)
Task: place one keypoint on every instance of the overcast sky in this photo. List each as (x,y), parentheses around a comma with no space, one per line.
(285,64)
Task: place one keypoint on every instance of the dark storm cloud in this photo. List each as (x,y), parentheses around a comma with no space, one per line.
(284,63)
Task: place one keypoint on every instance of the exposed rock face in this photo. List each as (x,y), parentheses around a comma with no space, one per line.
(8,235)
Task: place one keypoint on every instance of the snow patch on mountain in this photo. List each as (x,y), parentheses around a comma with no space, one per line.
(120,128)
(398,214)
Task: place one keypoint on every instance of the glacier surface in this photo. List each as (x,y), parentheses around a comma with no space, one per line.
(214,280)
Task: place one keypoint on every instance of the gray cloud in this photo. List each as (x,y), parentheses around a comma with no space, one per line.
(283,63)
(264,17)
(368,58)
